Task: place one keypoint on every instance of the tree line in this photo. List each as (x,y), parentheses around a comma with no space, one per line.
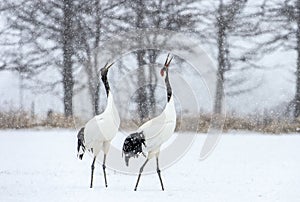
(61,36)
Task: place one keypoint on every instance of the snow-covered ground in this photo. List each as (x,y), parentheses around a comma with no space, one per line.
(42,166)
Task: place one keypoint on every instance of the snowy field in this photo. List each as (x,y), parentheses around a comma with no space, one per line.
(42,166)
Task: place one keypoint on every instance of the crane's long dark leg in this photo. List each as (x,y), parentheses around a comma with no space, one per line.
(104,173)
(92,173)
(141,170)
(158,172)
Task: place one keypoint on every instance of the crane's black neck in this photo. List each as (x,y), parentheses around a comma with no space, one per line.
(168,85)
(105,82)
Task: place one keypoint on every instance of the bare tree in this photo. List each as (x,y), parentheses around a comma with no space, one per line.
(93,26)
(230,29)
(283,34)
(225,21)
(159,14)
(68,52)
(44,32)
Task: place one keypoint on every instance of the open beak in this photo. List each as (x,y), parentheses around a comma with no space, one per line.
(108,66)
(167,63)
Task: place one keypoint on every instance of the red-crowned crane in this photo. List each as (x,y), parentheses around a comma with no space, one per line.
(98,132)
(154,132)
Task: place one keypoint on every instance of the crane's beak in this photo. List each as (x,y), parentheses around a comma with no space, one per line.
(105,69)
(167,62)
(108,66)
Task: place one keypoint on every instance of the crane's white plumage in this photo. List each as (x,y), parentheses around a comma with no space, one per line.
(154,132)
(98,132)
(101,129)
(159,129)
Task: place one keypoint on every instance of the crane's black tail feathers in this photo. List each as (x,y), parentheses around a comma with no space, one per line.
(132,146)
(80,144)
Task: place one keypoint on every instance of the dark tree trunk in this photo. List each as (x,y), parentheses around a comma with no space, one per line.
(142,95)
(96,100)
(153,81)
(221,61)
(96,45)
(142,103)
(67,72)
(219,96)
(297,94)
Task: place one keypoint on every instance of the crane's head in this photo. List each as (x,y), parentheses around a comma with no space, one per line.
(133,146)
(104,70)
(80,143)
(165,69)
